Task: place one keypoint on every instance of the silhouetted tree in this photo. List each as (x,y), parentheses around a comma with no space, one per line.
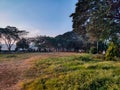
(22,44)
(44,42)
(10,35)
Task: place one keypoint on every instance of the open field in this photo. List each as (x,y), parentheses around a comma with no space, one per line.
(58,71)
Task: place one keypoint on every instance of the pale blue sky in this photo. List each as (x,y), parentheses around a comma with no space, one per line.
(44,17)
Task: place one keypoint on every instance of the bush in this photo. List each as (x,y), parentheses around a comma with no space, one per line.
(93,50)
(102,84)
(112,51)
(85,58)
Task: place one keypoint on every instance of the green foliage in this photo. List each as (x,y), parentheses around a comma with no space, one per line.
(112,51)
(98,19)
(93,50)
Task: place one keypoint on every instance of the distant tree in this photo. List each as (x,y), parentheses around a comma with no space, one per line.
(39,42)
(43,42)
(70,41)
(22,44)
(10,35)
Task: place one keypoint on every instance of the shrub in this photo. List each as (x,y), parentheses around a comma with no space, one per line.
(101,84)
(93,50)
(112,51)
(85,58)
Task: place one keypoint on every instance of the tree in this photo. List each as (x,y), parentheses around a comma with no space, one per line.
(112,51)
(85,19)
(43,42)
(98,19)
(22,44)
(10,35)
(70,41)
(80,16)
(39,42)
(96,16)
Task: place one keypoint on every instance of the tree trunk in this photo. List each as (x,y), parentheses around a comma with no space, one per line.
(9,49)
(97,46)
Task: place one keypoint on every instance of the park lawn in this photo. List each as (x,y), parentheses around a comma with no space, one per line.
(75,72)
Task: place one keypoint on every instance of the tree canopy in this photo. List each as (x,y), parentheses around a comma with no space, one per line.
(98,19)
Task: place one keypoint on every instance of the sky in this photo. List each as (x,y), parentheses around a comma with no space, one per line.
(39,17)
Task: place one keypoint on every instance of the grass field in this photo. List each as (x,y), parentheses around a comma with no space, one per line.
(60,71)
(77,72)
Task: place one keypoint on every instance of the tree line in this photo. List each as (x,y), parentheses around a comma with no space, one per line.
(11,36)
(66,42)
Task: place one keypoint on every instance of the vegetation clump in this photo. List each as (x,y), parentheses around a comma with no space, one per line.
(93,50)
(112,51)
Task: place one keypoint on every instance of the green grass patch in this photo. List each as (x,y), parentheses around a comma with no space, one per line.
(78,72)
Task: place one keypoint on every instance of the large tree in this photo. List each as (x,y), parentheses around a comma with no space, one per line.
(99,15)
(10,35)
(98,19)
(80,16)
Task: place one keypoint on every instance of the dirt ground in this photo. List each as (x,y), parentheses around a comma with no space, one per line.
(11,72)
